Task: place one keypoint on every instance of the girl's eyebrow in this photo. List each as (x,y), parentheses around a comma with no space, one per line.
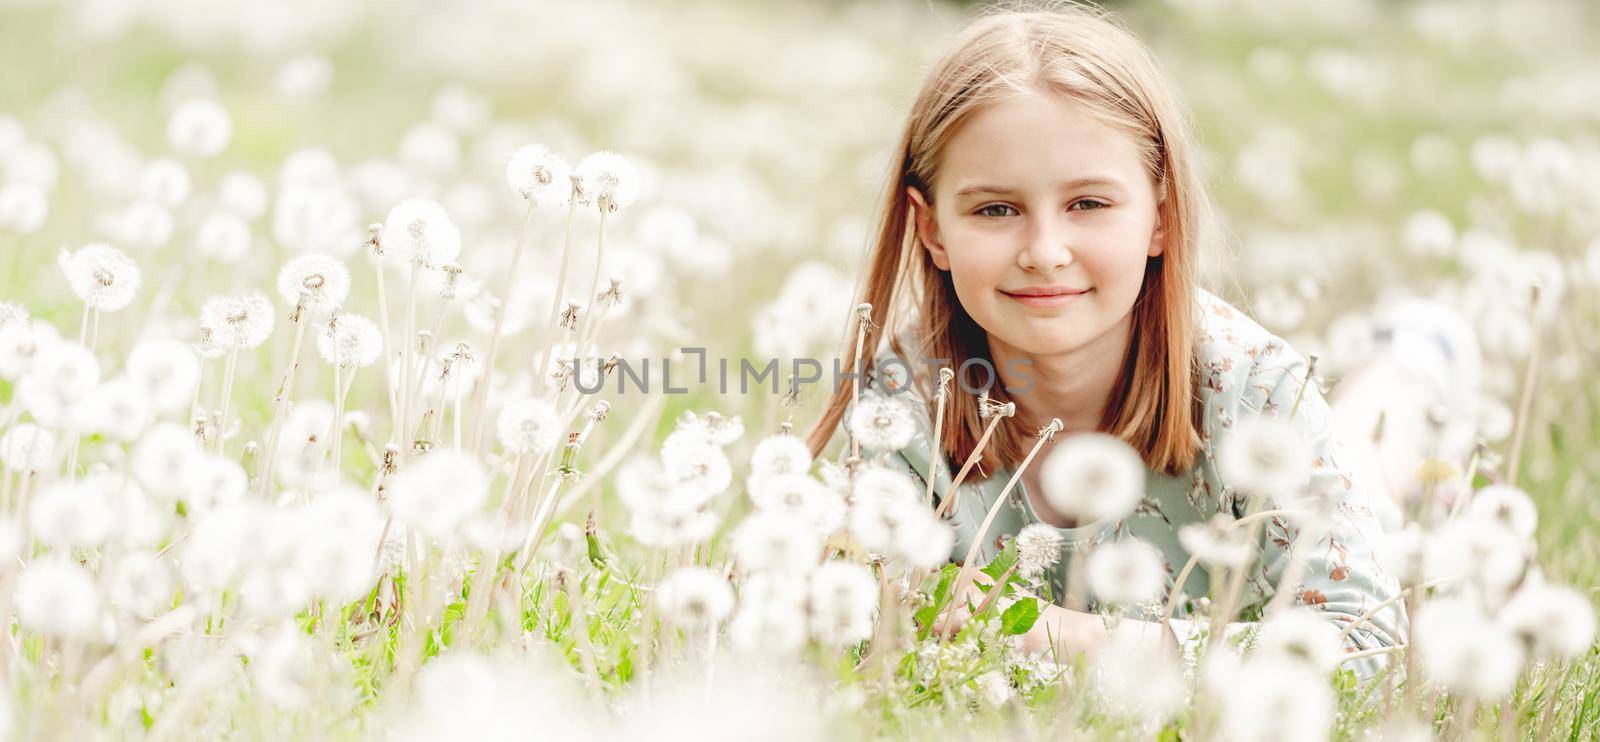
(1070,185)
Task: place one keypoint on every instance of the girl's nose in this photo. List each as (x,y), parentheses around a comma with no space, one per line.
(1047,248)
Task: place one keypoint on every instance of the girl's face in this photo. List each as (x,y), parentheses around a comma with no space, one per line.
(1045,219)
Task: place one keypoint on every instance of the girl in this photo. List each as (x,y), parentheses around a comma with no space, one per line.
(1045,224)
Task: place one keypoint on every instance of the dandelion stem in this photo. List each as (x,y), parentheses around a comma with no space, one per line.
(1525,406)
(510,284)
(555,302)
(864,312)
(972,460)
(388,351)
(594,283)
(935,444)
(406,354)
(227,396)
(285,395)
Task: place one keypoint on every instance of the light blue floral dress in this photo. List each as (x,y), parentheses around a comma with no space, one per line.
(1246,370)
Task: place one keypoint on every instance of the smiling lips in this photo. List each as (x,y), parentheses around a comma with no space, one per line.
(1046,296)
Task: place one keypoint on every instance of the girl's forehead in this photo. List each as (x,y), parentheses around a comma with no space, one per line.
(1037,139)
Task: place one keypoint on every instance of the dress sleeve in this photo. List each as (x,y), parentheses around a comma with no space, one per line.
(1335,560)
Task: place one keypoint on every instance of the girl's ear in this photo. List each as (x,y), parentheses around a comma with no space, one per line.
(1158,236)
(927,229)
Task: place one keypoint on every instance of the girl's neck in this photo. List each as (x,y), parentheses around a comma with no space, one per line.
(1075,386)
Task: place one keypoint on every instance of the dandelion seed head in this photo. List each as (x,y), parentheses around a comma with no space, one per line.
(101,276)
(1038,550)
(881,422)
(529,426)
(1302,635)
(165,371)
(243,194)
(1552,621)
(437,492)
(166,182)
(1125,573)
(26,447)
(323,277)
(22,342)
(418,229)
(1464,651)
(1092,477)
(694,597)
(539,175)
(1265,457)
(199,128)
(610,179)
(802,498)
(843,598)
(238,321)
(772,541)
(58,379)
(163,458)
(770,619)
(141,584)
(23,208)
(57,597)
(350,340)
(1507,506)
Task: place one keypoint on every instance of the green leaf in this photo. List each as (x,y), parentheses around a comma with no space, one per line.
(1020,617)
(1002,561)
(941,597)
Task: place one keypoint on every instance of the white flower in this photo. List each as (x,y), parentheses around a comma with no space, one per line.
(776,542)
(1402,553)
(238,321)
(26,447)
(339,536)
(881,422)
(350,340)
(1092,477)
(438,491)
(244,194)
(1507,506)
(1464,651)
(994,687)
(1301,634)
(771,618)
(141,584)
(539,175)
(23,208)
(608,179)
(694,597)
(209,481)
(1125,573)
(12,315)
(1551,620)
(166,372)
(1138,675)
(844,596)
(529,426)
(690,459)
(419,229)
(22,342)
(199,128)
(1038,550)
(223,236)
(165,183)
(323,276)
(779,454)
(1482,552)
(803,498)
(1268,699)
(1265,457)
(283,668)
(58,380)
(894,521)
(317,217)
(720,430)
(163,458)
(118,408)
(101,276)
(70,515)
(56,597)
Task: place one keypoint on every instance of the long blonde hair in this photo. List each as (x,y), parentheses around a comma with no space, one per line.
(1086,54)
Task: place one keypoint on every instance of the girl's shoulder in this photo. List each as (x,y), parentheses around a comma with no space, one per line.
(1238,359)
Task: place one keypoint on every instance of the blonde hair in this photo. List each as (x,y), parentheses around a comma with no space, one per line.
(1086,54)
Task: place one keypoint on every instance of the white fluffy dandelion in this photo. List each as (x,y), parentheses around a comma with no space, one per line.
(1551,620)
(1125,573)
(438,491)
(238,321)
(881,422)
(784,453)
(1301,635)
(539,175)
(26,447)
(323,277)
(1038,550)
(528,426)
(199,128)
(609,179)
(802,498)
(166,372)
(694,597)
(350,340)
(1464,651)
(1265,457)
(1507,506)
(101,276)
(844,596)
(1092,477)
(23,208)
(418,229)
(57,597)
(775,542)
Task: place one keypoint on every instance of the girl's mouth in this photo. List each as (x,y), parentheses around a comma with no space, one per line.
(1046,297)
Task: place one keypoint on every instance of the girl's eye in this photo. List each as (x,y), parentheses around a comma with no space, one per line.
(989,210)
(1096,204)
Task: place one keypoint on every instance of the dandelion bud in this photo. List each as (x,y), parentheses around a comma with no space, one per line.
(452,272)
(375,238)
